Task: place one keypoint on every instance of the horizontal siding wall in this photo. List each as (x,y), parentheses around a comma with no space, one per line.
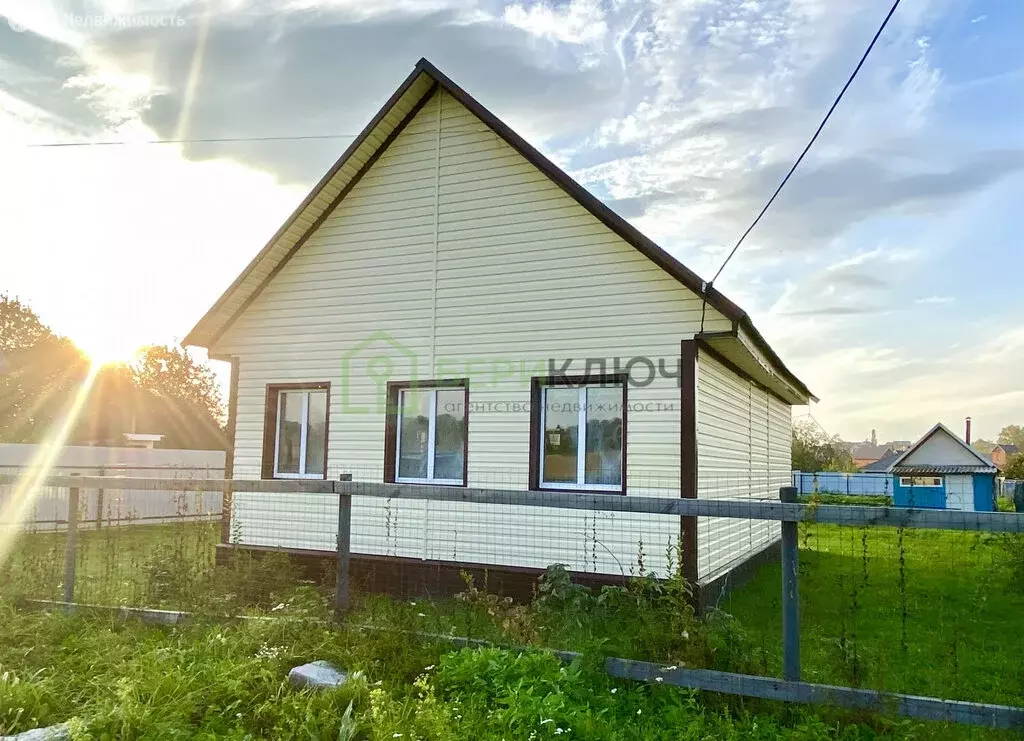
(744,440)
(455,257)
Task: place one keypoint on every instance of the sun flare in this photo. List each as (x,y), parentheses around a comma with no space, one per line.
(110,350)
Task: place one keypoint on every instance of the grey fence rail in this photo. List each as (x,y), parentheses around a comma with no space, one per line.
(790,688)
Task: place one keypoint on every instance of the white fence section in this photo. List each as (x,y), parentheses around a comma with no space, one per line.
(48,509)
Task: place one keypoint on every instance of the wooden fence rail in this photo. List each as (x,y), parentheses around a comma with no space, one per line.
(787,511)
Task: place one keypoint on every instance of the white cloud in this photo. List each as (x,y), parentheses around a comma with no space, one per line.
(577,22)
(934,300)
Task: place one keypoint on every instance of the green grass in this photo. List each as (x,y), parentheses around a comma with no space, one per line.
(959,636)
(945,628)
(124,680)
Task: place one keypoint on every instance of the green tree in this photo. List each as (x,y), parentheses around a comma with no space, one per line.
(814,450)
(40,373)
(1013,435)
(983,446)
(1015,468)
(171,372)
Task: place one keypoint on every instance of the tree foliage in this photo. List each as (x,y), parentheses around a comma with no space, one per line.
(814,450)
(1015,468)
(164,392)
(1012,435)
(39,373)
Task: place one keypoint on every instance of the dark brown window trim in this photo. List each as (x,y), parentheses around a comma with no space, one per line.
(536,385)
(270,422)
(391,423)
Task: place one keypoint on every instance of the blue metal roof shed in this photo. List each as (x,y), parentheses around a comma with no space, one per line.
(941,471)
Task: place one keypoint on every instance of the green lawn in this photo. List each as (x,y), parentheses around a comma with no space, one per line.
(950,626)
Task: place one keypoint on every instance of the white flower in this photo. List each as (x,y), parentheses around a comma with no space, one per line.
(686,635)
(614,690)
(638,711)
(396,735)
(421,614)
(428,668)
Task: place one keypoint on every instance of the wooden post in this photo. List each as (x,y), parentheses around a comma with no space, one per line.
(71,544)
(790,594)
(341,586)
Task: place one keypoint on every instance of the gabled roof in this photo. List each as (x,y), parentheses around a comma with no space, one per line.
(372,141)
(984,464)
(1008,448)
(882,465)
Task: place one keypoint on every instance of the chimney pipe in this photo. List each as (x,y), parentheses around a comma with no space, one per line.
(967,436)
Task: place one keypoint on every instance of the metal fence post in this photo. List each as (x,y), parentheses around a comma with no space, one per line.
(790,594)
(71,544)
(341,587)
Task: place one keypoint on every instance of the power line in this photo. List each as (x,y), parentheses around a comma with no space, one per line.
(229,140)
(800,159)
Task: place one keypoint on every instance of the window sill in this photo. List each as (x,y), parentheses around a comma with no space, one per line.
(307,476)
(431,482)
(582,489)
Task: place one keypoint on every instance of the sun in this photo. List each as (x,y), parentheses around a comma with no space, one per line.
(110,349)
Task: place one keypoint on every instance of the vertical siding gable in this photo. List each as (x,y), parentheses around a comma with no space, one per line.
(458,248)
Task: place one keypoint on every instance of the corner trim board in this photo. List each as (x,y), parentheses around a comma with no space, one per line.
(688,480)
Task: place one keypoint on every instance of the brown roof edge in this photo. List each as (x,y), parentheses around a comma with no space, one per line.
(595,206)
(614,222)
(321,184)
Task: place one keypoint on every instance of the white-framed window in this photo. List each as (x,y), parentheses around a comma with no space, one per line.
(431,435)
(920,481)
(582,433)
(300,441)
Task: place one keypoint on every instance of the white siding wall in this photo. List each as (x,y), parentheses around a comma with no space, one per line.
(457,249)
(743,451)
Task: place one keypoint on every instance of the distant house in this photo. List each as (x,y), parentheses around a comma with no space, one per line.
(898,445)
(882,464)
(864,454)
(941,471)
(1002,454)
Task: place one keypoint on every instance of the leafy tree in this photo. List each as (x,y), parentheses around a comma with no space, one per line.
(814,450)
(40,373)
(172,373)
(164,392)
(983,446)
(1015,467)
(1013,435)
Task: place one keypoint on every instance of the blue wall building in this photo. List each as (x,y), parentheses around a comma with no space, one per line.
(941,471)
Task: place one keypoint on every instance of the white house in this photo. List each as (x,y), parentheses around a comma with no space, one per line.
(448,306)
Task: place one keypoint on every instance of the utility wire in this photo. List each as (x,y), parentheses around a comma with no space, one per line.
(821,126)
(189,141)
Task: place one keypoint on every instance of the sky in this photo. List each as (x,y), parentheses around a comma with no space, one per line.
(887,275)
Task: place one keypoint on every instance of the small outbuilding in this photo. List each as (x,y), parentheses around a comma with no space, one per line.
(941,471)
